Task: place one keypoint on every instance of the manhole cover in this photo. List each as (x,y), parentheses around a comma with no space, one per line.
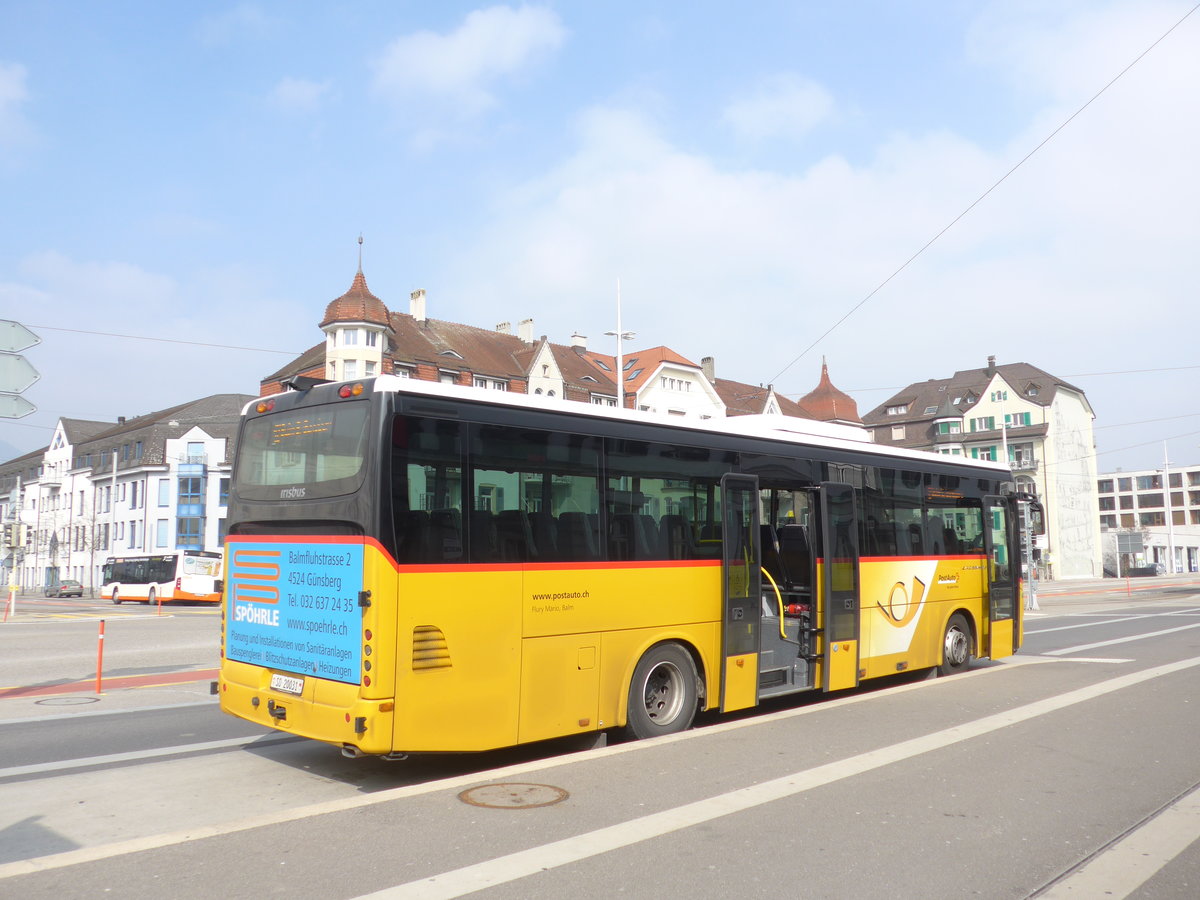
(66,701)
(513,796)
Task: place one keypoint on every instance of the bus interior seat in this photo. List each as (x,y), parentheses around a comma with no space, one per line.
(795,556)
(514,536)
(628,538)
(916,540)
(484,538)
(412,536)
(576,537)
(445,534)
(936,535)
(772,561)
(676,539)
(545,536)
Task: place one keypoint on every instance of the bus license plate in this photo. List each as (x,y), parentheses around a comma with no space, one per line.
(287,684)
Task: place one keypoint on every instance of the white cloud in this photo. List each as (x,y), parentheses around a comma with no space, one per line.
(1089,245)
(463,65)
(784,106)
(14,128)
(245,20)
(298,95)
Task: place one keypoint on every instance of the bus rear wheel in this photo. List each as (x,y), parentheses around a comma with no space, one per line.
(116,597)
(956,646)
(663,694)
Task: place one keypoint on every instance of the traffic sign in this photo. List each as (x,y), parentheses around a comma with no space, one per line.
(15,337)
(16,374)
(13,406)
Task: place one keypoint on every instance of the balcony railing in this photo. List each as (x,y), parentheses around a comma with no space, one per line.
(1023,465)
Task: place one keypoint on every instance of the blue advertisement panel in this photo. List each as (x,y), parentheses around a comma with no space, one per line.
(293,606)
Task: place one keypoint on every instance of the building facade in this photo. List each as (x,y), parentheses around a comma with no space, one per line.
(156,483)
(363,338)
(1160,509)
(1038,423)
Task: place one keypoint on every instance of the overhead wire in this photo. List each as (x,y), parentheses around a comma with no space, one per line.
(983,196)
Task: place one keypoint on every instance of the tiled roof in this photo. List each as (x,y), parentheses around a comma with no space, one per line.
(218,416)
(941,393)
(356,305)
(451,345)
(640,365)
(748,399)
(827,403)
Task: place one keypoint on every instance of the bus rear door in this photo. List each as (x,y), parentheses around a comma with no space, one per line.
(742,591)
(839,586)
(1000,547)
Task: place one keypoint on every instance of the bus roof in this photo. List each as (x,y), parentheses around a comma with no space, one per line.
(789,429)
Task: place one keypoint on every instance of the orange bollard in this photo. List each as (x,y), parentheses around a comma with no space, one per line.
(99,656)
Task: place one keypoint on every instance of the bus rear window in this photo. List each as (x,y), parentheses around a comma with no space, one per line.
(301,454)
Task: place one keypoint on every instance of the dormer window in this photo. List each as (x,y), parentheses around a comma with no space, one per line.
(590,378)
(451,353)
(897,410)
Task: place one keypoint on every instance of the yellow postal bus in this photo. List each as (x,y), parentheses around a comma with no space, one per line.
(415,567)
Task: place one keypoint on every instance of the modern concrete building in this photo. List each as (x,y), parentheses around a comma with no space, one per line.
(1164,519)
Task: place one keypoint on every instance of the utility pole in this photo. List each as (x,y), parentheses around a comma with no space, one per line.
(1170,513)
(620,336)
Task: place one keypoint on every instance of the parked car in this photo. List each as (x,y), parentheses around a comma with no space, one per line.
(65,588)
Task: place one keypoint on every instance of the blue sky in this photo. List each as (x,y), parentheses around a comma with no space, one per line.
(203,171)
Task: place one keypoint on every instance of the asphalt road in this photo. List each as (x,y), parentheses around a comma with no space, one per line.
(1004,782)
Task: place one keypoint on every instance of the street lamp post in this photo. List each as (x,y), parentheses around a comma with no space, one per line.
(1170,515)
(620,336)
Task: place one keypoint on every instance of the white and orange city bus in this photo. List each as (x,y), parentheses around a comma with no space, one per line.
(415,567)
(163,577)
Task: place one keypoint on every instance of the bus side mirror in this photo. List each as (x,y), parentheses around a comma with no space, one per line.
(1037,518)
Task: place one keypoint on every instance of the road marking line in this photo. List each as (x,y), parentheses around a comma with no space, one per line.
(1124,640)
(1091,659)
(84,762)
(525,863)
(154,842)
(1112,620)
(1122,868)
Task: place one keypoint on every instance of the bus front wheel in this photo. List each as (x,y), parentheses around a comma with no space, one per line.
(956,647)
(663,694)
(116,597)
(150,599)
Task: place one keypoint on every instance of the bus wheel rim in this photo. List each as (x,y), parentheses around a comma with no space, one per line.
(956,646)
(664,693)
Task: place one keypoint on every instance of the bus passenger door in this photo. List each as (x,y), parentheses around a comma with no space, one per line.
(839,586)
(741,590)
(1001,549)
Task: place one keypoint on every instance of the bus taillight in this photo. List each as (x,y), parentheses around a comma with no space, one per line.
(347,391)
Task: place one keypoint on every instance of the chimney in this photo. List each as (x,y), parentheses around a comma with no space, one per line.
(525,330)
(120,420)
(991,369)
(416,305)
(579,341)
(708,366)
(504,328)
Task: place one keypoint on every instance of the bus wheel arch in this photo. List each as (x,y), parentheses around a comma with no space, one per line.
(664,691)
(958,644)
